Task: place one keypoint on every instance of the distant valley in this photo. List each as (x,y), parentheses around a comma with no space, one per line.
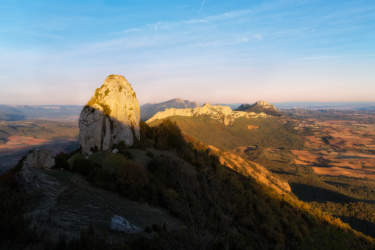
(18,137)
(51,112)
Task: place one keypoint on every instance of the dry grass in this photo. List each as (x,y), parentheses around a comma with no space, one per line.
(252,169)
(305,156)
(337,171)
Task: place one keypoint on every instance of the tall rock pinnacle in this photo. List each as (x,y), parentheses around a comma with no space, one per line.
(111,116)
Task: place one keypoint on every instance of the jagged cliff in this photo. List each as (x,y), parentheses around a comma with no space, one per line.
(112,115)
(223,114)
(259,107)
(150,109)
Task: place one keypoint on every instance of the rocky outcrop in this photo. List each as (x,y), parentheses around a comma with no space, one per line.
(223,114)
(150,109)
(39,158)
(112,115)
(259,107)
(260,104)
(70,204)
(35,159)
(119,223)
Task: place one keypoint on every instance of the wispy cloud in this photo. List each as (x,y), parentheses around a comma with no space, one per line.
(258,36)
(220,43)
(180,7)
(201,7)
(172,24)
(126,31)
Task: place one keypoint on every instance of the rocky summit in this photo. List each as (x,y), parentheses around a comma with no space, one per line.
(259,104)
(222,114)
(111,116)
(259,107)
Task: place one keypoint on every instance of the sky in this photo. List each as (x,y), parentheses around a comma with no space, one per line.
(59,52)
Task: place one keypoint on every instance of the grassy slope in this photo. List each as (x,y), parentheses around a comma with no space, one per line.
(330,194)
(271,132)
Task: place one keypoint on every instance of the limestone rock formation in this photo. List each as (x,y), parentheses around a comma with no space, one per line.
(42,158)
(118,223)
(37,158)
(68,205)
(259,107)
(223,114)
(112,115)
(150,109)
(259,104)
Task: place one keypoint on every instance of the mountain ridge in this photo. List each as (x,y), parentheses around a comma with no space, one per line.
(223,114)
(259,107)
(150,109)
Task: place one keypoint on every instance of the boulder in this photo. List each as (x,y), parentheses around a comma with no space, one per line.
(118,223)
(112,115)
(35,159)
(39,158)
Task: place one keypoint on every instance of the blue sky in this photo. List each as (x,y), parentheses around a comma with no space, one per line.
(59,52)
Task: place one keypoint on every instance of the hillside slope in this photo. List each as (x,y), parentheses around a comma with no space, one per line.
(221,202)
(268,132)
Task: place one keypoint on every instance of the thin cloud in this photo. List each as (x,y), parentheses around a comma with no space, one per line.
(180,7)
(125,31)
(172,24)
(201,7)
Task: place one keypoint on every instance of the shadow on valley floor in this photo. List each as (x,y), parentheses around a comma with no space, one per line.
(337,183)
(9,158)
(363,226)
(309,193)
(12,117)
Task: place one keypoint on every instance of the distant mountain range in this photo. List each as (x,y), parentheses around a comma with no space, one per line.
(150,109)
(327,105)
(23,112)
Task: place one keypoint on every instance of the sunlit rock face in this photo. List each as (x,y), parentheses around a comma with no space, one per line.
(111,116)
(222,114)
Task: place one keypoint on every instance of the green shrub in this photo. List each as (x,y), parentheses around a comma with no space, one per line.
(120,146)
(106,109)
(112,162)
(150,154)
(94,149)
(15,227)
(127,154)
(84,166)
(137,144)
(102,179)
(131,179)
(61,160)
(168,136)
